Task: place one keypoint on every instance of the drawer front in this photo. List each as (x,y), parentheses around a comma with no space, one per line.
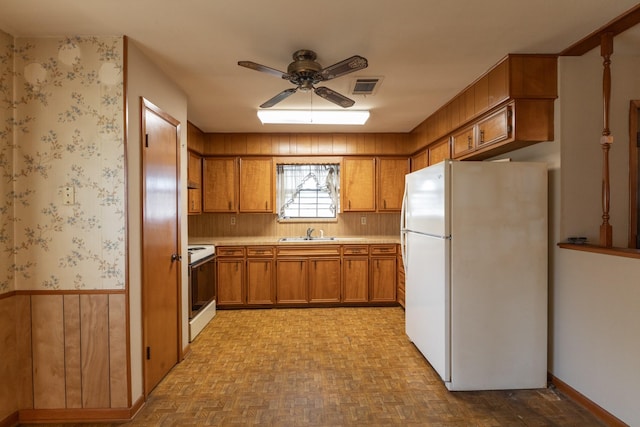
(230,251)
(463,142)
(309,250)
(383,249)
(355,250)
(260,251)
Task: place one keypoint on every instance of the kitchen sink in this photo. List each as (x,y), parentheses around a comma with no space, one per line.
(306,239)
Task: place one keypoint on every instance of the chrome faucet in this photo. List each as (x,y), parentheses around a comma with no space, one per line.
(309,231)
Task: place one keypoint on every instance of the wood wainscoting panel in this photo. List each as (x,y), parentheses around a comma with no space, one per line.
(23,351)
(47,320)
(9,359)
(118,377)
(94,325)
(72,359)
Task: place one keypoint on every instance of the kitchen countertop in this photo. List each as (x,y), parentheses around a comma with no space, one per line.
(270,240)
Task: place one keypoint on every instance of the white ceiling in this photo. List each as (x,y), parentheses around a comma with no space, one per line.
(426,50)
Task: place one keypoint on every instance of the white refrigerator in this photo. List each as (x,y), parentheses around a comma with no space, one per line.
(474,247)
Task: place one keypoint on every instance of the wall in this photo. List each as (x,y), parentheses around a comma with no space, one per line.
(294,144)
(594,299)
(69,98)
(64,128)
(144,79)
(596,307)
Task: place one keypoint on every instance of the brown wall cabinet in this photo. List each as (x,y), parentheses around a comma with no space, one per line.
(358,184)
(391,173)
(219,187)
(257,190)
(509,107)
(194,183)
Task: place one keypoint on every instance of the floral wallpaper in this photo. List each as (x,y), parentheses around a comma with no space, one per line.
(65,192)
(6,160)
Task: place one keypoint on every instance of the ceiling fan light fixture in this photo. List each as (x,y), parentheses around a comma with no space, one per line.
(314,117)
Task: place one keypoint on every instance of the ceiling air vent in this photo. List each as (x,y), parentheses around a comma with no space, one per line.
(365,85)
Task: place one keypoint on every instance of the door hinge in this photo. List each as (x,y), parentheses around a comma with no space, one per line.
(148,353)
(146,140)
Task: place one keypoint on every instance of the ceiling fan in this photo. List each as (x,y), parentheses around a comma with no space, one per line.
(305,72)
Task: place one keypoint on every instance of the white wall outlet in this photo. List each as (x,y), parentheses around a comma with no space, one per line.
(69,195)
(233,220)
(363,220)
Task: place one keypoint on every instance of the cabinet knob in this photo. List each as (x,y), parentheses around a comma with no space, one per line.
(481,135)
(469,141)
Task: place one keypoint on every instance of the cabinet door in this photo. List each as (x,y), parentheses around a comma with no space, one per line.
(324,280)
(463,142)
(194,183)
(419,161)
(391,173)
(194,199)
(495,128)
(358,185)
(439,151)
(230,280)
(383,279)
(219,186)
(260,281)
(355,277)
(291,281)
(256,185)
(194,170)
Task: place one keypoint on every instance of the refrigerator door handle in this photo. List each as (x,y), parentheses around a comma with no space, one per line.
(403,224)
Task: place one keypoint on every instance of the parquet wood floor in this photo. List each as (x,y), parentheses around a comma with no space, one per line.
(330,367)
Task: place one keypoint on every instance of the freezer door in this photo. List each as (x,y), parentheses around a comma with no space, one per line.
(426,200)
(427,305)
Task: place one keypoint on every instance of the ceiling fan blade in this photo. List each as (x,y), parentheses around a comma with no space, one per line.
(264,69)
(333,96)
(279,97)
(341,68)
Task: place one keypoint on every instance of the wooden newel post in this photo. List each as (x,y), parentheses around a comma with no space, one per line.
(606,50)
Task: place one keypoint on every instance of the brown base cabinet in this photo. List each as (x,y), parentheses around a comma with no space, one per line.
(324,280)
(287,275)
(230,280)
(383,273)
(260,281)
(291,284)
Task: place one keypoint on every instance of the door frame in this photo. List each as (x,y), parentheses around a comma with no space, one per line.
(145,105)
(634,165)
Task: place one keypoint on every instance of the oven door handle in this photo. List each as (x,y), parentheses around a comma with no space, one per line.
(176,257)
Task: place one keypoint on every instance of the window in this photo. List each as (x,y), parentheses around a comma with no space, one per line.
(308,191)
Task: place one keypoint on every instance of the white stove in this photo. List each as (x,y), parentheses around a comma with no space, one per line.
(198,252)
(202,287)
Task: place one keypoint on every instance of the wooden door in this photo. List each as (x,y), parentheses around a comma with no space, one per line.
(219,185)
(161,277)
(256,185)
(324,280)
(391,173)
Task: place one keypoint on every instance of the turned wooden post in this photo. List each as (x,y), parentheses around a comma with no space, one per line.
(606,49)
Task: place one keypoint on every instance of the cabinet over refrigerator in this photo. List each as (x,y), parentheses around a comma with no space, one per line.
(474,239)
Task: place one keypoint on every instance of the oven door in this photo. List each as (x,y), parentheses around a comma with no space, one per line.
(202,284)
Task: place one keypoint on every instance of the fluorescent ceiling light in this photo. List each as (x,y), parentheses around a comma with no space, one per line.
(315,117)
